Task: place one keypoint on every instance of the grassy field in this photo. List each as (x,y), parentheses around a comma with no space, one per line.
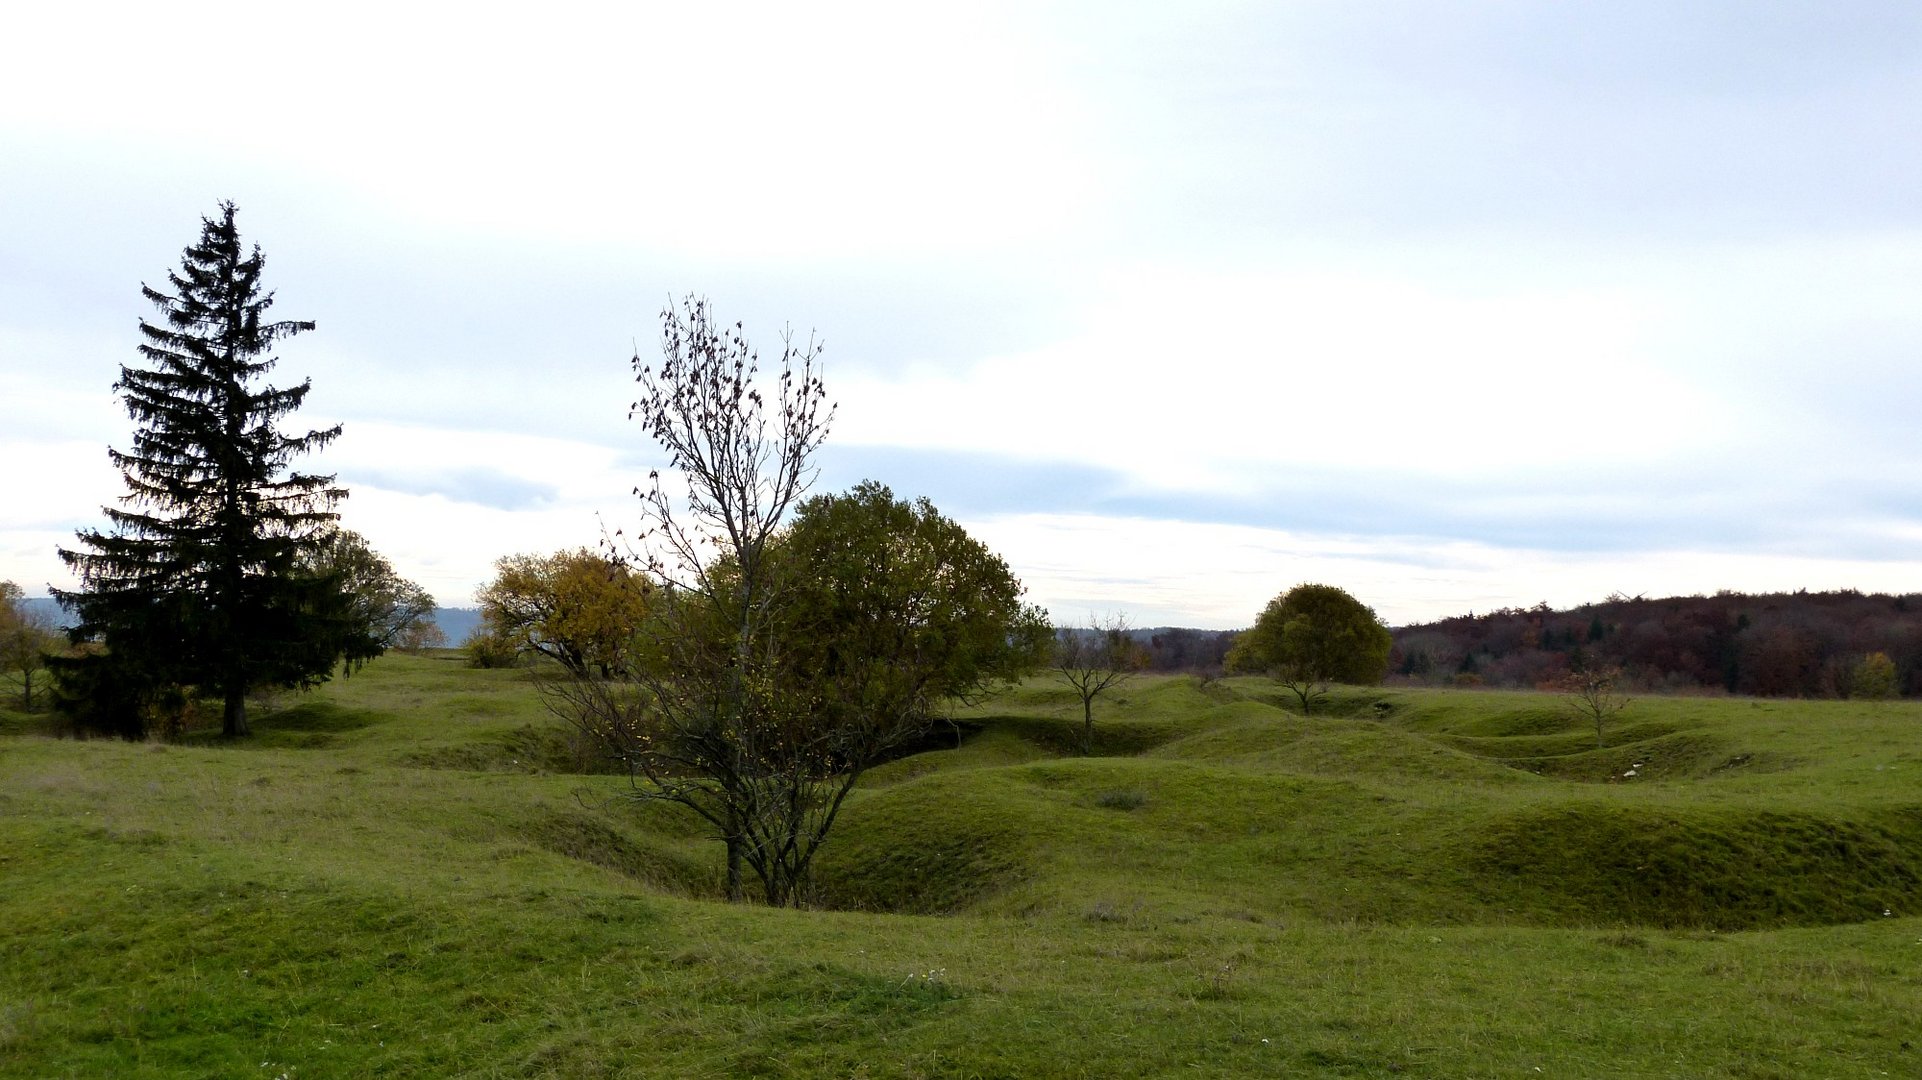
(406,874)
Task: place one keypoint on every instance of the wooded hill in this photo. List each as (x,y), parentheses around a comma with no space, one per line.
(1799,644)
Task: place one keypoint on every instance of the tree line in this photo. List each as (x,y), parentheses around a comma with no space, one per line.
(1800,644)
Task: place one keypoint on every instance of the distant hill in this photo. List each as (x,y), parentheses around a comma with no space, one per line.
(1798,644)
(457,622)
(50,608)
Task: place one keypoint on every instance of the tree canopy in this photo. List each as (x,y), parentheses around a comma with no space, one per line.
(26,636)
(198,586)
(1311,636)
(577,608)
(387,610)
(895,609)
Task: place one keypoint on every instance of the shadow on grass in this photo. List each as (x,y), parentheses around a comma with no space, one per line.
(309,725)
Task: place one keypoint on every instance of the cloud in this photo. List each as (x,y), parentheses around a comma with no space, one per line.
(1505,291)
(970,482)
(482,487)
(1161,572)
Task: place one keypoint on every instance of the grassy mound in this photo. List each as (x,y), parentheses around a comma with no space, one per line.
(1234,890)
(1332,747)
(978,749)
(1710,868)
(591,839)
(936,845)
(529,748)
(1677,756)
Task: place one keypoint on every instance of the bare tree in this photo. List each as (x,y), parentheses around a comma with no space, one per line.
(1592,696)
(704,720)
(1094,661)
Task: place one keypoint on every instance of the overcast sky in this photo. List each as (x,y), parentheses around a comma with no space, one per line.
(1456,305)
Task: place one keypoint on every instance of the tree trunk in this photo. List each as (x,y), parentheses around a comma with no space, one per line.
(233,718)
(1087,726)
(733,840)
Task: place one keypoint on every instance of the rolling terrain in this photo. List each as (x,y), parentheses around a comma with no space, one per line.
(417,872)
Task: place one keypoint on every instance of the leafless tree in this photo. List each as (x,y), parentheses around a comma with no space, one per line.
(1094,661)
(1592,696)
(704,718)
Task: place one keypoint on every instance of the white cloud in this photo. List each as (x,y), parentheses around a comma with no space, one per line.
(447,527)
(712,130)
(1472,266)
(1216,380)
(1161,572)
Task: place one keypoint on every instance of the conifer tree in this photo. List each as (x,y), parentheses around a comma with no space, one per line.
(200,587)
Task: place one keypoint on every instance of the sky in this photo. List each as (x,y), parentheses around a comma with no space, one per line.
(1456,306)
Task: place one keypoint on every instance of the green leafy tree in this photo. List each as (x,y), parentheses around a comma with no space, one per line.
(577,608)
(198,585)
(26,637)
(892,612)
(388,610)
(1313,636)
(895,610)
(486,649)
(1095,661)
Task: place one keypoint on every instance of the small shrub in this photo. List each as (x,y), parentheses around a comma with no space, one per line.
(489,650)
(1121,800)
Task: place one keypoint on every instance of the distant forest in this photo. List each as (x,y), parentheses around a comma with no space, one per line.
(1799,644)
(1173,648)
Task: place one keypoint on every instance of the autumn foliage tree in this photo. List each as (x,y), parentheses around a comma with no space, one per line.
(1795,644)
(577,608)
(1873,678)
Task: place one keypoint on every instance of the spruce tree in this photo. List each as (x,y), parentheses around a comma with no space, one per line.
(203,586)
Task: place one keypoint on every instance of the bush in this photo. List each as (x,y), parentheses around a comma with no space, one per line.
(1121,800)
(488,650)
(1873,678)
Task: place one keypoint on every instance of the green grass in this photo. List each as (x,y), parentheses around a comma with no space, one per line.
(409,874)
